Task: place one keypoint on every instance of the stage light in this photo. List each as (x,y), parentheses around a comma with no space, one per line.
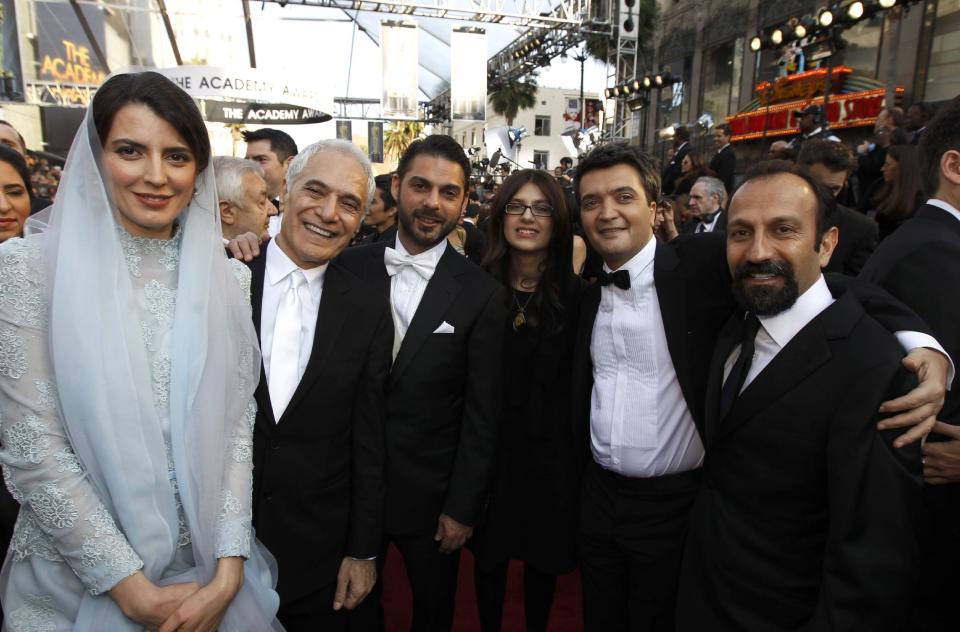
(658,80)
(855,10)
(625,89)
(800,31)
(825,17)
(647,81)
(608,93)
(777,37)
(616,91)
(635,85)
(756,43)
(887,4)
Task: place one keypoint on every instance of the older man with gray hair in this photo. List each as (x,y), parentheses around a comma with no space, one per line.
(318,448)
(706,201)
(242,191)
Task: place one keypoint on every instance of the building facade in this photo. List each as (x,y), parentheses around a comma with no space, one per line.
(911,51)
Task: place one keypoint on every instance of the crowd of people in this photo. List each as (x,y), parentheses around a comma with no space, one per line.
(228,385)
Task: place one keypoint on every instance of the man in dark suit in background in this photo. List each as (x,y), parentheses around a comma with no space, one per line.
(641,361)
(318,440)
(443,396)
(830,164)
(724,162)
(920,265)
(706,202)
(273,150)
(806,516)
(681,147)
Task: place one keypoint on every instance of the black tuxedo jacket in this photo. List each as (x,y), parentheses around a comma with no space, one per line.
(674,169)
(806,517)
(443,395)
(724,164)
(693,291)
(318,474)
(690,227)
(859,236)
(920,265)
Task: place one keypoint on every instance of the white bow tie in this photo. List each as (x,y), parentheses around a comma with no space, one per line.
(396,261)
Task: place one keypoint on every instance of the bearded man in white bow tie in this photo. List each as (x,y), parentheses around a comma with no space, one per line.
(319,433)
(443,396)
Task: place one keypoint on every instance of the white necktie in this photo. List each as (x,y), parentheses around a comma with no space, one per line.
(395,261)
(285,351)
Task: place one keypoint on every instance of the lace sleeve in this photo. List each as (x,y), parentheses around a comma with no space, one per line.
(234,530)
(62,519)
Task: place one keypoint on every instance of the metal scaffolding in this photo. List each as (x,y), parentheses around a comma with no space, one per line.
(522,13)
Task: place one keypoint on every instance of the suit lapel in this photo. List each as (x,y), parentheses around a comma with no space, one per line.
(805,353)
(440,292)
(670,296)
(258,269)
(330,318)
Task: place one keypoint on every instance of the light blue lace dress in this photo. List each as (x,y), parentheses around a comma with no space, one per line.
(65,541)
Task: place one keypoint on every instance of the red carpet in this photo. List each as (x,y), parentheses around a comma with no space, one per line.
(566,615)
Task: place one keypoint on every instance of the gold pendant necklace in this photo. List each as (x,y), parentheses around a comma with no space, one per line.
(521,318)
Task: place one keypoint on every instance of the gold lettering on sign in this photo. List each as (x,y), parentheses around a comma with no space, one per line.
(74,67)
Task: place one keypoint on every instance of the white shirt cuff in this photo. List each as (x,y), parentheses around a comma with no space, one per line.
(911,340)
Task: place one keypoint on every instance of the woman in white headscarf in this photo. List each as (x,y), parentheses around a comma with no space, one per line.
(128,363)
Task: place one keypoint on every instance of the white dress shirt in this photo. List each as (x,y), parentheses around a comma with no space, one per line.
(640,425)
(776,331)
(276,281)
(946,206)
(407,288)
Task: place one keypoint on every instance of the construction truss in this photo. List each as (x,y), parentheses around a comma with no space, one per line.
(522,13)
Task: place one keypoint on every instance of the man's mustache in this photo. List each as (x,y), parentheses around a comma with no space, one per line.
(776,268)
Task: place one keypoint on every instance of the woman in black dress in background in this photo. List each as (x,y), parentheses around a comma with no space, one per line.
(532,511)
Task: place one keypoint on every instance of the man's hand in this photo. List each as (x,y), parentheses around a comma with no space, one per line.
(354,582)
(245,247)
(919,407)
(451,534)
(941,459)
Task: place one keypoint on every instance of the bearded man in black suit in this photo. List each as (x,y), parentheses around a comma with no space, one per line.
(443,398)
(806,516)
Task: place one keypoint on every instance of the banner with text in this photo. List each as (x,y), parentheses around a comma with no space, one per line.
(250,84)
(468,73)
(260,113)
(398,41)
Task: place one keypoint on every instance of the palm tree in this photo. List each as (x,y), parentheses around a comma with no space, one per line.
(399,136)
(512,96)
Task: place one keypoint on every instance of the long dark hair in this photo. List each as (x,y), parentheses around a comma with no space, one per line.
(164,98)
(898,199)
(546,310)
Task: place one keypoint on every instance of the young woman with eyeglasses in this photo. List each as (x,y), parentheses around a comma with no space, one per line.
(531,514)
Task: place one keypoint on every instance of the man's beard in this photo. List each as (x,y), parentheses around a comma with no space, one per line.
(765,300)
(408,222)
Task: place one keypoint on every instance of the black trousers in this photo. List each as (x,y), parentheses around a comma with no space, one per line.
(538,591)
(433,581)
(935,608)
(632,532)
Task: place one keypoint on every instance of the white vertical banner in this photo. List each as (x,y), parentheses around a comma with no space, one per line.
(468,74)
(398,43)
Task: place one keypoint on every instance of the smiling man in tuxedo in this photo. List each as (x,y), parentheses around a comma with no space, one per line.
(318,440)
(443,398)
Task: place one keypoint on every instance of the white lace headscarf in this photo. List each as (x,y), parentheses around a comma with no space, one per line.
(104,386)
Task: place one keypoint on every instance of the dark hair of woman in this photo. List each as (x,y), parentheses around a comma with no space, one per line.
(899,198)
(15,160)
(164,98)
(557,278)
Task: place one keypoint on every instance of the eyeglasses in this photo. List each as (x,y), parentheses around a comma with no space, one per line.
(539,209)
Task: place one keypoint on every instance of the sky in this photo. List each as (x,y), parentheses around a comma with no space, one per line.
(318,43)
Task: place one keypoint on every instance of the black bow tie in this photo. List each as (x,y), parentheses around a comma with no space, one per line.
(620,278)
